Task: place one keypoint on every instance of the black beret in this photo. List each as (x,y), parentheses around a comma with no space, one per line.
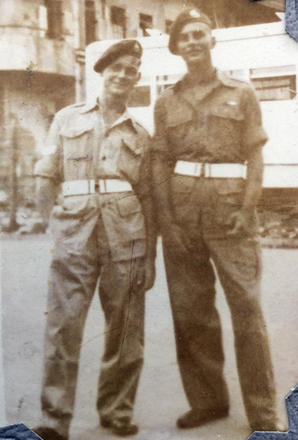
(123,47)
(188,15)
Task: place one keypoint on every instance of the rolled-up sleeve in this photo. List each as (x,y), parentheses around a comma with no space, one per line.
(254,134)
(50,163)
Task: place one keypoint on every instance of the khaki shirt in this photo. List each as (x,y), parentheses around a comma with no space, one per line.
(79,146)
(219,121)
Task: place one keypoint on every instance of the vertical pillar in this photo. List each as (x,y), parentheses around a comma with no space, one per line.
(159,18)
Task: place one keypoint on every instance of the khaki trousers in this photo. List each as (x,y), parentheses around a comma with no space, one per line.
(202,208)
(73,279)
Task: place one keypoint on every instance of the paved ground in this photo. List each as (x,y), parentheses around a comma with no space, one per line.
(160,398)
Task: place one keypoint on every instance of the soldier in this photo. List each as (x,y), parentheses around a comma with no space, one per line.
(207,173)
(98,154)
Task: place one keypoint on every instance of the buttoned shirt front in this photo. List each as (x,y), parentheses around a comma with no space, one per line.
(217,121)
(80,147)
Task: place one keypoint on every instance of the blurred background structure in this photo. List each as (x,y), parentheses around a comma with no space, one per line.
(42,67)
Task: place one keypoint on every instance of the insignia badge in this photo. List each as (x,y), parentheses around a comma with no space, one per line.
(137,48)
(233,103)
(194,14)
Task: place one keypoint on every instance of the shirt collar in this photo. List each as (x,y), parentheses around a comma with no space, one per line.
(94,103)
(219,76)
(89,105)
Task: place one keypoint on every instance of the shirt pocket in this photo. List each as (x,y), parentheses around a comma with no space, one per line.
(68,219)
(225,123)
(130,157)
(229,199)
(130,211)
(179,122)
(78,151)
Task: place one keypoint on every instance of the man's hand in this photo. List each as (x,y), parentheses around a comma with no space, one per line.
(149,273)
(241,223)
(145,274)
(46,193)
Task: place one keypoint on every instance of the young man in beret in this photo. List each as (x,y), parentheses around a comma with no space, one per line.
(207,172)
(97,154)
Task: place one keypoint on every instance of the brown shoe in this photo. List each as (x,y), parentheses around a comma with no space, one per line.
(48,433)
(123,427)
(199,417)
(105,422)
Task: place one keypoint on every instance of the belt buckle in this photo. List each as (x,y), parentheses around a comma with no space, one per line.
(102,186)
(97,186)
(91,186)
(203,170)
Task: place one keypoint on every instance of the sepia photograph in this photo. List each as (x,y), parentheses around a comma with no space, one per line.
(148,218)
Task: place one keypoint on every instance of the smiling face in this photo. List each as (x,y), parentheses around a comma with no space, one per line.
(120,77)
(194,44)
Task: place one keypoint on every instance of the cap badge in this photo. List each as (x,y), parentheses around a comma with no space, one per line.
(195,14)
(137,48)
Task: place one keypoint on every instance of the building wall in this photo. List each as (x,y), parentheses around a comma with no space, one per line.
(159,11)
(37,78)
(42,64)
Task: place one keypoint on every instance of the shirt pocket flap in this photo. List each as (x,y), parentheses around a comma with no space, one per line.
(229,110)
(129,205)
(133,143)
(77,130)
(180,115)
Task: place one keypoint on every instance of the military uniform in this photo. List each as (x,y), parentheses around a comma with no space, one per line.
(101,229)
(205,134)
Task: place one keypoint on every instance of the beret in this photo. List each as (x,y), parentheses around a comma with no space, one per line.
(123,47)
(188,15)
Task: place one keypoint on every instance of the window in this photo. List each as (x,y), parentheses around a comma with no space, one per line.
(140,97)
(54,18)
(118,21)
(146,22)
(276,88)
(90,21)
(168,25)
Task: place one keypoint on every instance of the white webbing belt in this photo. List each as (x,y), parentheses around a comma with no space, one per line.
(215,170)
(81,187)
